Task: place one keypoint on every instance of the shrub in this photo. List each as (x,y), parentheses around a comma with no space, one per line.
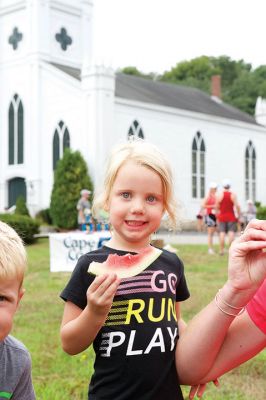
(21,208)
(261,212)
(71,175)
(26,227)
(44,216)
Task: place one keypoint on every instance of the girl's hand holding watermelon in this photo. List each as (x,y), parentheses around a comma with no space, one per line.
(79,329)
(100,295)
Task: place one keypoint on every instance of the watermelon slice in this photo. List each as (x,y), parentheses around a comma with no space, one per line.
(127,265)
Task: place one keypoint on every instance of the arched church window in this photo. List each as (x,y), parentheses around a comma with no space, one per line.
(66,140)
(15,131)
(250,172)
(61,141)
(56,149)
(135,131)
(198,166)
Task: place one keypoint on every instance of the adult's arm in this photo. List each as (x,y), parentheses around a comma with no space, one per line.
(205,334)
(243,341)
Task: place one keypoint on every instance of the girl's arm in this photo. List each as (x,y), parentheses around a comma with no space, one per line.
(200,343)
(80,327)
(181,323)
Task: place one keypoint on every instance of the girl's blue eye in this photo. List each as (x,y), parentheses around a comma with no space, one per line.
(125,195)
(151,199)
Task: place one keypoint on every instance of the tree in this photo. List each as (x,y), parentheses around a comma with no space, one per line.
(135,72)
(229,69)
(196,73)
(71,175)
(243,93)
(21,208)
(132,71)
(241,85)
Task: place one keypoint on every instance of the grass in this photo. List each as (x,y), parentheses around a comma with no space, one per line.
(57,375)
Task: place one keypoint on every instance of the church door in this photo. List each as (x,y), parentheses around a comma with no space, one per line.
(16,188)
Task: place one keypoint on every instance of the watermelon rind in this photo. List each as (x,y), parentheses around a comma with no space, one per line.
(125,271)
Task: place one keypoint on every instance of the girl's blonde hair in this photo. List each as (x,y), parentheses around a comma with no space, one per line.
(144,154)
(13,259)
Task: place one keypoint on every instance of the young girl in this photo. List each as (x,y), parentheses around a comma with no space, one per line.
(132,323)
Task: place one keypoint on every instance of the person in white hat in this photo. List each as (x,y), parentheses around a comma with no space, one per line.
(228,211)
(208,205)
(84,209)
(251,211)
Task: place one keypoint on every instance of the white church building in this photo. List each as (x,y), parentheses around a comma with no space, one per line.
(53,96)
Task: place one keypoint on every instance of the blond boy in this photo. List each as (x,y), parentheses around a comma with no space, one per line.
(15,361)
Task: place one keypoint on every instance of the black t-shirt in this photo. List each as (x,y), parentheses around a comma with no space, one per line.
(135,349)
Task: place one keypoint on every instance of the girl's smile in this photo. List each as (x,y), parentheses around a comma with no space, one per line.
(135,223)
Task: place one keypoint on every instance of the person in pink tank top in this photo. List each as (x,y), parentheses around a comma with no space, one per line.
(228,211)
(208,205)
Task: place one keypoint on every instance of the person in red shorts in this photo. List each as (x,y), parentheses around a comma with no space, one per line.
(228,211)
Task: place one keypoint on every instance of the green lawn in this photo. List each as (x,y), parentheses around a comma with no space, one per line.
(58,376)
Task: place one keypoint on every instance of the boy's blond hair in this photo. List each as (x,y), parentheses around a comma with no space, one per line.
(144,154)
(13,259)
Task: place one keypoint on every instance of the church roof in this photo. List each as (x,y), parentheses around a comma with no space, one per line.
(175,96)
(168,94)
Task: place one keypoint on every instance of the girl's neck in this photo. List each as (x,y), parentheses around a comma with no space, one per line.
(119,244)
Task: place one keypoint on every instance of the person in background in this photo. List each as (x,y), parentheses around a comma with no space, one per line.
(209,204)
(228,211)
(84,209)
(251,211)
(15,360)
(200,221)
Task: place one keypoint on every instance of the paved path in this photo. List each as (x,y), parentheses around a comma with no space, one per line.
(185,237)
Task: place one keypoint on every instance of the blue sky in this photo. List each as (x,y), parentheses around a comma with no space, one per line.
(154,35)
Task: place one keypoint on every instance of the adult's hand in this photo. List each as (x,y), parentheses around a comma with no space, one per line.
(198,390)
(247,258)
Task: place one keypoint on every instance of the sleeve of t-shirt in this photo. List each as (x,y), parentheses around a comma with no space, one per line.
(256,308)
(182,292)
(24,389)
(76,289)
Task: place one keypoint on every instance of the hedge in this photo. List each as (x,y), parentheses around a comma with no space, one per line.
(26,227)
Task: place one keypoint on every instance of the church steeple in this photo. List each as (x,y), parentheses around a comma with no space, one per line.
(57,31)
